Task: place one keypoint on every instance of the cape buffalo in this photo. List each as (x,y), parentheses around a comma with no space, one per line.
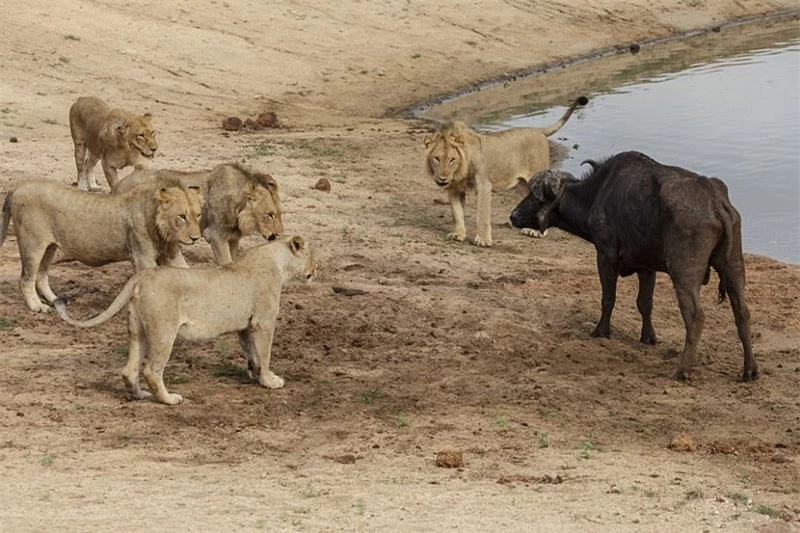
(644,217)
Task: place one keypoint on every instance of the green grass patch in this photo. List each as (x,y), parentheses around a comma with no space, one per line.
(8,323)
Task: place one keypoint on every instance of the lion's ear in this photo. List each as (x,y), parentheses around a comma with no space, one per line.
(428,140)
(148,115)
(195,189)
(120,125)
(250,191)
(271,183)
(457,138)
(163,195)
(296,244)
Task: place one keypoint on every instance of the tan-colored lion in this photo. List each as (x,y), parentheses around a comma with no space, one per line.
(203,303)
(115,137)
(146,226)
(459,160)
(238,202)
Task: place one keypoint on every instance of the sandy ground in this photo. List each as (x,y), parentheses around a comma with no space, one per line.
(448,347)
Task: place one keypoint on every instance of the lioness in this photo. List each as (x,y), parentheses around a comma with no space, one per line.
(238,202)
(203,303)
(115,137)
(459,159)
(146,226)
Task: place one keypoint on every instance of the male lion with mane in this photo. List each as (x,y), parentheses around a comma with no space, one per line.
(203,303)
(146,226)
(115,137)
(459,159)
(238,202)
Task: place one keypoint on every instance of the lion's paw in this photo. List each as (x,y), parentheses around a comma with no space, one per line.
(271,381)
(41,308)
(140,395)
(172,399)
(530,232)
(456,237)
(482,242)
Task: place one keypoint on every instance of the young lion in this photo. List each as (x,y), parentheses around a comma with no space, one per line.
(115,137)
(203,303)
(458,159)
(238,202)
(146,226)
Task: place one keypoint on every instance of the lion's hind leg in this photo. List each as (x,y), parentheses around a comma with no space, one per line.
(137,344)
(42,278)
(32,255)
(160,339)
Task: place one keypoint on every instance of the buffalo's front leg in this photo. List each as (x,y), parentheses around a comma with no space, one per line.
(608,279)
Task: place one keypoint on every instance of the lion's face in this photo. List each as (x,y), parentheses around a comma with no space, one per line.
(262,212)
(139,134)
(445,158)
(305,266)
(178,213)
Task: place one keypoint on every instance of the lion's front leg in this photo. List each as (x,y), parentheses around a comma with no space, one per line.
(457,206)
(484,230)
(220,247)
(86,179)
(111,173)
(262,345)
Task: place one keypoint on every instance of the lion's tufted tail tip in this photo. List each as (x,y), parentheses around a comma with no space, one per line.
(61,303)
(582,100)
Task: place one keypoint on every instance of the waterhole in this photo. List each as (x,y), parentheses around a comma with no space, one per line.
(724,103)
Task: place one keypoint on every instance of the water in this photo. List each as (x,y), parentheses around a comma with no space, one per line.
(723,104)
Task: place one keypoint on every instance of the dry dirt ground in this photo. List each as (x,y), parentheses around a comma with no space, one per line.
(448,346)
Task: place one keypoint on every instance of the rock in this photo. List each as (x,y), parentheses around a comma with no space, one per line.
(682,443)
(450,459)
(13,140)
(323,185)
(231,124)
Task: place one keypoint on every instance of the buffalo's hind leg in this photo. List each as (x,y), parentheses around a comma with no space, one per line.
(734,277)
(644,301)
(687,288)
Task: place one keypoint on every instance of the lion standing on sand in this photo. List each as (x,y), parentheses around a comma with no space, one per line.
(459,159)
(115,137)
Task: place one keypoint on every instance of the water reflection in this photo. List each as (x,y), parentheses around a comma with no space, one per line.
(725,105)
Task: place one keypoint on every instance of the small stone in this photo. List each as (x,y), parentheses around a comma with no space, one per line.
(450,459)
(323,184)
(13,140)
(231,124)
(682,443)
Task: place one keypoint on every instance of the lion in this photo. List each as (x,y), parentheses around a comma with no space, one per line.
(203,303)
(459,159)
(115,137)
(145,226)
(238,202)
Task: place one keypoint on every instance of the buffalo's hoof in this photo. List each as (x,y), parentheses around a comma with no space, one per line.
(649,339)
(683,375)
(598,332)
(749,375)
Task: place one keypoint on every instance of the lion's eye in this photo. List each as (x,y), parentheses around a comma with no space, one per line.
(270,216)
(436,159)
(182,217)
(140,136)
(452,160)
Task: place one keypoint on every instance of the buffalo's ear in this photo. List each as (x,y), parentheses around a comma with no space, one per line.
(296,244)
(553,184)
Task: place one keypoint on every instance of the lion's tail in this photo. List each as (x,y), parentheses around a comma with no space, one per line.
(119,302)
(557,125)
(5,218)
